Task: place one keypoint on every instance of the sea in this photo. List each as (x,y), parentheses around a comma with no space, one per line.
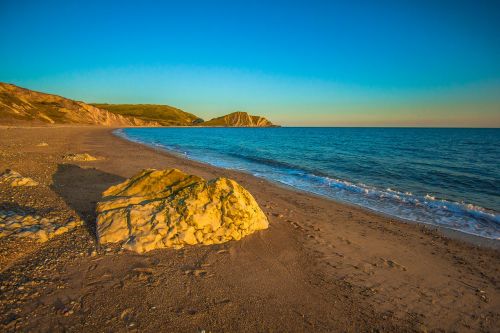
(438,176)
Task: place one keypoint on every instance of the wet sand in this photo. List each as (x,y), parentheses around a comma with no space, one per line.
(321,266)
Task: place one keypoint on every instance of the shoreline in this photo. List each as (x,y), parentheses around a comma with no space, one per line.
(445,231)
(321,266)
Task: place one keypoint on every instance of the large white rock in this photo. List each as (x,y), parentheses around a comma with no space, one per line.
(168,208)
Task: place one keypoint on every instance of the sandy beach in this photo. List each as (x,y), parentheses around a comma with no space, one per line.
(322,266)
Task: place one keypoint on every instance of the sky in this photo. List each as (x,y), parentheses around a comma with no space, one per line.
(298,63)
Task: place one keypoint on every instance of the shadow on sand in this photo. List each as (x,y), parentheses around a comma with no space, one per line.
(15,207)
(81,189)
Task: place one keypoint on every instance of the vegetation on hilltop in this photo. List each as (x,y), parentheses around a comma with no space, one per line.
(165,115)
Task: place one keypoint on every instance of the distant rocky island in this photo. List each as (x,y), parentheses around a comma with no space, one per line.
(24,106)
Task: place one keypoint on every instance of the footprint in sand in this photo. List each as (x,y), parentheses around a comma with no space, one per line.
(345,240)
(366,268)
(100,280)
(143,273)
(196,272)
(392,264)
(296,225)
(92,268)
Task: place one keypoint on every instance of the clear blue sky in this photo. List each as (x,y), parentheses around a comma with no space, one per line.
(423,63)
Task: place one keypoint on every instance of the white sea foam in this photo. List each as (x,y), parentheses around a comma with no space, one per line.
(463,217)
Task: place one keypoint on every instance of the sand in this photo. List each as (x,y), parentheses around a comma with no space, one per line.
(321,265)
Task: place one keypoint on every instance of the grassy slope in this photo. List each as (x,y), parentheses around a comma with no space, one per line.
(163,114)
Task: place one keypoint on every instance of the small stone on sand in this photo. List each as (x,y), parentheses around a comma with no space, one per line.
(41,229)
(80,157)
(14,179)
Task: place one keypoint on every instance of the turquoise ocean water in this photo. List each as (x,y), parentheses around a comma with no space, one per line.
(443,177)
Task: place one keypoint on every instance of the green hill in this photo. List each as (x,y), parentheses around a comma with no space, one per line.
(165,115)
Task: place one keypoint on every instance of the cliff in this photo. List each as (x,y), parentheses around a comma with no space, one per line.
(20,105)
(238,119)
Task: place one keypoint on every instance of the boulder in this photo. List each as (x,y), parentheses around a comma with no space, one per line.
(14,179)
(168,208)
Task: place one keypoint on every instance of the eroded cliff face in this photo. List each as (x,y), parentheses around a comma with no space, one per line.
(23,105)
(239,119)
